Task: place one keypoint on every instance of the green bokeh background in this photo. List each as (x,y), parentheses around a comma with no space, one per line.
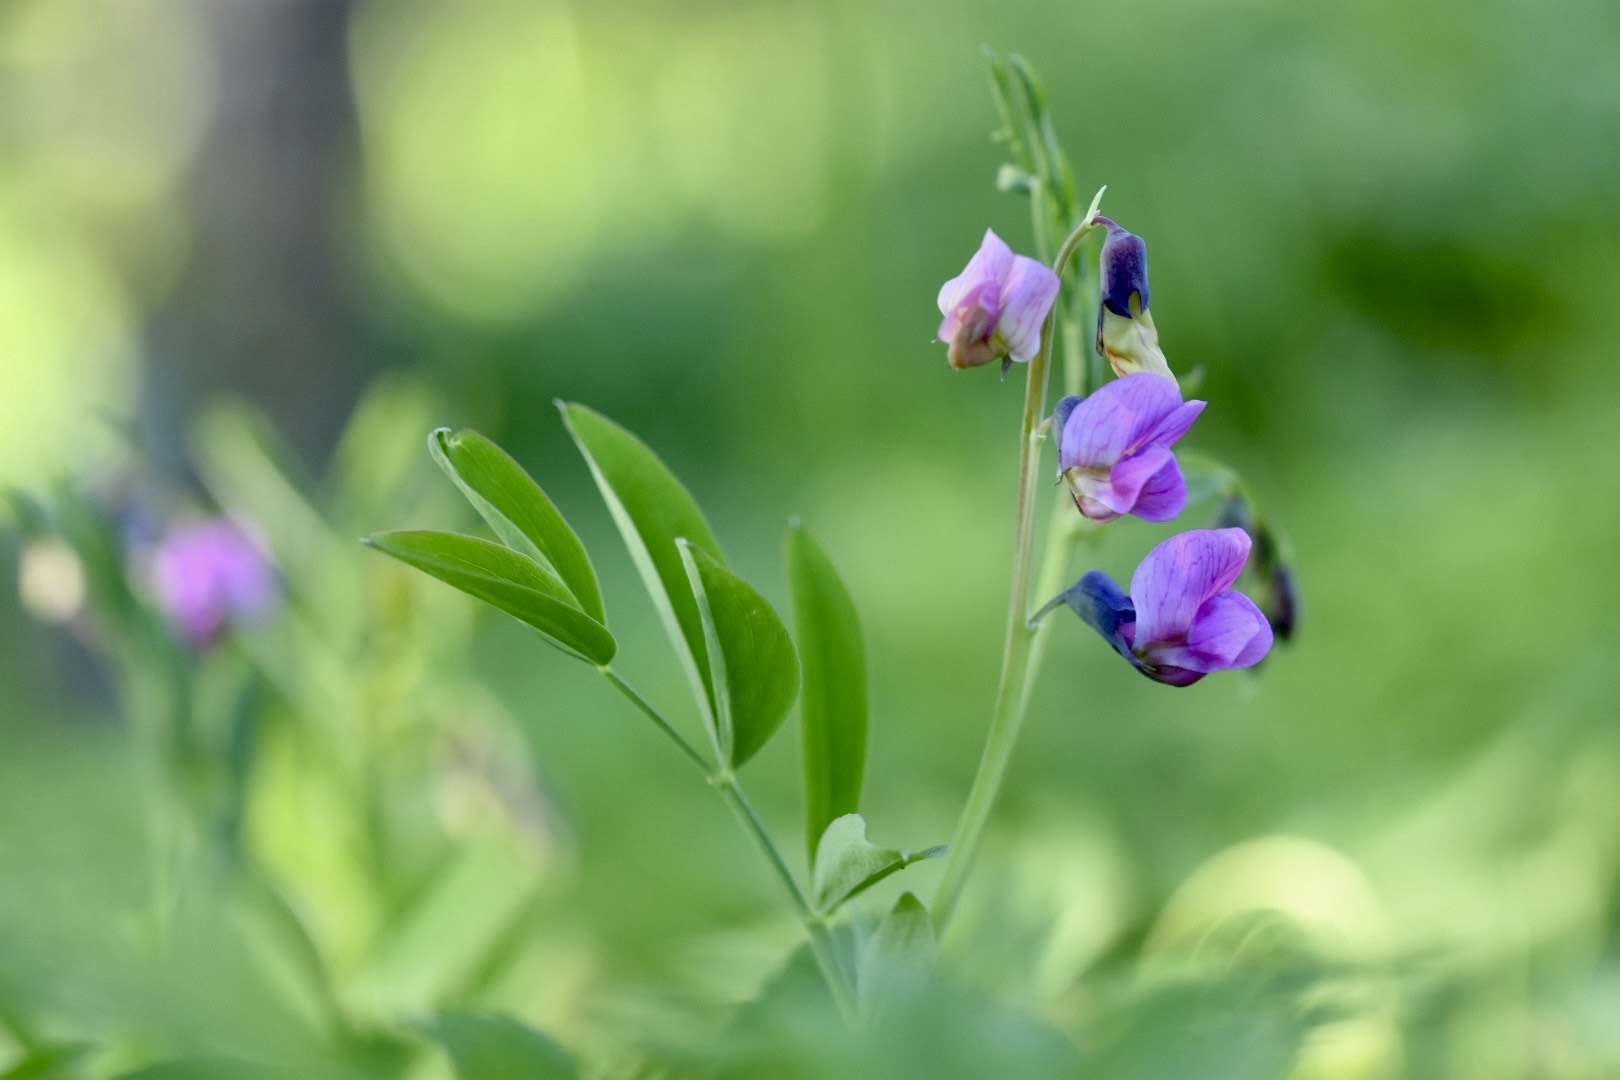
(1387,232)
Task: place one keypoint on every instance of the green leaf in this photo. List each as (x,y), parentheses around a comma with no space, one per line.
(505,579)
(846,863)
(519,512)
(652,511)
(898,956)
(753,666)
(48,1062)
(834,703)
(493,1046)
(213,1067)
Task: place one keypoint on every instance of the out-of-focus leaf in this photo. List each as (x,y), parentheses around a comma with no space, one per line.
(1207,478)
(898,955)
(652,511)
(48,1062)
(209,1068)
(493,1046)
(505,579)
(833,706)
(253,475)
(371,467)
(753,666)
(518,510)
(846,863)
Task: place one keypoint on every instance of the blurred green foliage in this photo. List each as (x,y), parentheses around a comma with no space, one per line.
(1385,232)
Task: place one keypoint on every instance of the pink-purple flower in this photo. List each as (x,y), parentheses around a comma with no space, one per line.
(209,574)
(1114,448)
(994,308)
(1182,619)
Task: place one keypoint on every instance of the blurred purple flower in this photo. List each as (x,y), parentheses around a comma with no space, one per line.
(1182,619)
(1114,448)
(209,574)
(995,308)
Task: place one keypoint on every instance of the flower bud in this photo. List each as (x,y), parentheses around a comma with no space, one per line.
(1126,335)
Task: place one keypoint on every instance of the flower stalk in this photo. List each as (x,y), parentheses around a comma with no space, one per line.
(1011,696)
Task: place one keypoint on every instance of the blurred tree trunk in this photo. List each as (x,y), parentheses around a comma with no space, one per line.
(264,306)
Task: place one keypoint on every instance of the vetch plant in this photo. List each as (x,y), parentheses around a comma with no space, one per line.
(746,668)
(742,666)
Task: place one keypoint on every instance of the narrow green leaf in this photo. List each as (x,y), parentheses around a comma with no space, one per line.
(652,511)
(505,579)
(518,510)
(754,667)
(493,1046)
(898,956)
(833,706)
(846,863)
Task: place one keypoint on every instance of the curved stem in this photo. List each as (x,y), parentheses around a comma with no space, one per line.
(821,945)
(733,795)
(1011,696)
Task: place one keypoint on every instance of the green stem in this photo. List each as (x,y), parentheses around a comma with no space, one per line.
(1011,698)
(656,717)
(821,944)
(734,796)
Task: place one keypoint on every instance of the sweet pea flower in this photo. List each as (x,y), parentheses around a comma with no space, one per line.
(210,574)
(1182,619)
(1125,331)
(1114,448)
(994,308)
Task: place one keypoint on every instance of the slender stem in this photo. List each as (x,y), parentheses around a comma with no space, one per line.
(821,945)
(656,717)
(1011,698)
(734,796)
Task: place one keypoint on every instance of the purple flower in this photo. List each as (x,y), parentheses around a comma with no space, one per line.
(994,309)
(1114,448)
(1125,331)
(1182,619)
(208,574)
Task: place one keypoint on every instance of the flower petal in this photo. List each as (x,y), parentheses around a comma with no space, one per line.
(1178,576)
(1123,485)
(1170,430)
(1103,606)
(1164,495)
(1124,270)
(1229,632)
(1117,417)
(976,312)
(1027,294)
(991,262)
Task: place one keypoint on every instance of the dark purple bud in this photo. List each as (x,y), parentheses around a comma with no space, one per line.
(1282,603)
(1124,266)
(1235,513)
